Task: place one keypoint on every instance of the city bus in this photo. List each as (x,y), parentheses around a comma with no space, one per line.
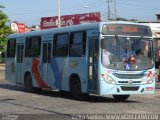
(103,58)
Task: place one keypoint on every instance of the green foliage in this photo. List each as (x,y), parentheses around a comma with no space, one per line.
(121,19)
(4,29)
(124,19)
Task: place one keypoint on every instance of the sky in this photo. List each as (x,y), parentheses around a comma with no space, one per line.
(31,11)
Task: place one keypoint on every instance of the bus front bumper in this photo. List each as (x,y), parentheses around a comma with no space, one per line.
(122,89)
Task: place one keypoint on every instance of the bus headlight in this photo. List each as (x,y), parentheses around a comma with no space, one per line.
(150,78)
(149,81)
(108,79)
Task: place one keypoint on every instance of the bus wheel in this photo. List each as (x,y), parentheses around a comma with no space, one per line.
(28,83)
(121,97)
(75,88)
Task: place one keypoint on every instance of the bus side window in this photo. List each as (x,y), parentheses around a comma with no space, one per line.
(33,46)
(60,45)
(77,44)
(11,48)
(36,46)
(27,48)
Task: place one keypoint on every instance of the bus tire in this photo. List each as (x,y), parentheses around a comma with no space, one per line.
(75,89)
(121,97)
(28,83)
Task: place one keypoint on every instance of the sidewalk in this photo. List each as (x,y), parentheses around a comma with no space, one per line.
(2,71)
(2,66)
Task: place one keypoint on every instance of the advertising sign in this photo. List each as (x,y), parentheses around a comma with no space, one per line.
(18,27)
(67,20)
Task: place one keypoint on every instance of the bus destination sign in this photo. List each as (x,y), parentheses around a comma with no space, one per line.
(123,29)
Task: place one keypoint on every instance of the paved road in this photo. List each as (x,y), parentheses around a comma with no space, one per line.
(50,105)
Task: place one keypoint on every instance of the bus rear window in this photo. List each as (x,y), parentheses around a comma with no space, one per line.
(11,48)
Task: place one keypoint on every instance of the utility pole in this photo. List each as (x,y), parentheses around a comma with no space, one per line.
(108,10)
(59,14)
(115,9)
(111,9)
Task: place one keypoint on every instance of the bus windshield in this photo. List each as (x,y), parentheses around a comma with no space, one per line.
(127,53)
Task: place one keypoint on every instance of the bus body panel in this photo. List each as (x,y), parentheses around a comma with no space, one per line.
(126,85)
(79,67)
(10,70)
(59,72)
(29,65)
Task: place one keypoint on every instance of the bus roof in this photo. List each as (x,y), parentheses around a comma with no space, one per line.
(57,30)
(79,27)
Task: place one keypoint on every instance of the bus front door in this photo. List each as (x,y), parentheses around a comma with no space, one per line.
(93,65)
(45,64)
(19,63)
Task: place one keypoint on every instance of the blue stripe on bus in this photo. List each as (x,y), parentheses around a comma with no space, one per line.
(57,73)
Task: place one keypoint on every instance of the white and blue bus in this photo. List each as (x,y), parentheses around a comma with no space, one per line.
(115,58)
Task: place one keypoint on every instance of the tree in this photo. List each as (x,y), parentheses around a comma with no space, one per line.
(124,19)
(121,19)
(4,29)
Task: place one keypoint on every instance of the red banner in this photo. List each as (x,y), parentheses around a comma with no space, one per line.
(18,27)
(67,20)
(21,27)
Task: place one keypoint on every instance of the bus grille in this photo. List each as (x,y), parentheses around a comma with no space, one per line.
(126,88)
(129,76)
(126,82)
